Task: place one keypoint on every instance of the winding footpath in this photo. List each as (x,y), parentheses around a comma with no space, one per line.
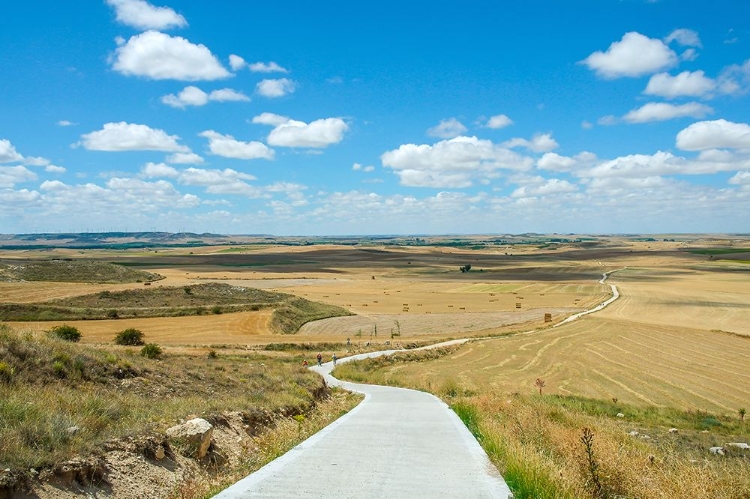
(615,296)
(397,443)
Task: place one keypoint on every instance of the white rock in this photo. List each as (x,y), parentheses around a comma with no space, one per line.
(673,430)
(620,415)
(196,433)
(633,433)
(739,445)
(719,451)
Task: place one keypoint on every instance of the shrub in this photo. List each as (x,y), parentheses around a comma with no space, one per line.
(6,372)
(130,336)
(65,332)
(212,354)
(59,369)
(112,314)
(151,351)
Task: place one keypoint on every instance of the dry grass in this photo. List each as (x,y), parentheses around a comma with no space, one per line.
(52,386)
(536,443)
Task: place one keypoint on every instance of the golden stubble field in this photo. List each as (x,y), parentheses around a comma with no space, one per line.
(679,336)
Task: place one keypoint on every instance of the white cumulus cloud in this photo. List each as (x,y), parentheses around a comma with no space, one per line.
(225,181)
(686,37)
(634,55)
(54,169)
(155,170)
(228,95)
(547,188)
(140,14)
(661,111)
(358,167)
(498,121)
(541,142)
(228,147)
(188,96)
(124,136)
(555,162)
(270,119)
(714,135)
(267,67)
(447,129)
(159,56)
(194,96)
(685,84)
(184,158)
(65,123)
(293,133)
(453,163)
(275,88)
(740,178)
(12,175)
(8,153)
(236,62)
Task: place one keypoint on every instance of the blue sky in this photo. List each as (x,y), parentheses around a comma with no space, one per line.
(304,118)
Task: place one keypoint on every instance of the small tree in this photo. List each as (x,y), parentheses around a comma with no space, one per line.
(359,339)
(65,332)
(130,336)
(742,412)
(465,268)
(540,384)
(151,351)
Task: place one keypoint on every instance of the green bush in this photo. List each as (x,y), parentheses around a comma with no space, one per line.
(59,369)
(151,351)
(6,372)
(65,332)
(130,336)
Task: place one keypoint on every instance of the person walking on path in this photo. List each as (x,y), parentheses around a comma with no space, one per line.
(334,358)
(320,359)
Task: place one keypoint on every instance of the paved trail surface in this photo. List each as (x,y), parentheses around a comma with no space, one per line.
(397,443)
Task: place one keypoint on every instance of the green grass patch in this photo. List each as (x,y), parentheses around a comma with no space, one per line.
(718,251)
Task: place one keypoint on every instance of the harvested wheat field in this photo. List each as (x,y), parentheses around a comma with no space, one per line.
(240,328)
(664,343)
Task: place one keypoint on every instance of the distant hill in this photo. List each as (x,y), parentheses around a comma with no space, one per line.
(72,271)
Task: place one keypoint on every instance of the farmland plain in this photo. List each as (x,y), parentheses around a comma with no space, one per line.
(679,334)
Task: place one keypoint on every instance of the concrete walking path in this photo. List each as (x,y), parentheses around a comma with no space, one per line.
(396,443)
